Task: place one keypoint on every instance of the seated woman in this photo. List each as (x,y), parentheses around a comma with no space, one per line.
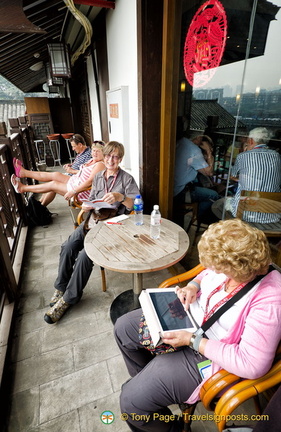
(83,155)
(65,185)
(243,340)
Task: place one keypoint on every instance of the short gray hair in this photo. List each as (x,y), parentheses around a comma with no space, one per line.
(260,135)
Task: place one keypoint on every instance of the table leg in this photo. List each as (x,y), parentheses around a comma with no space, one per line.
(138,284)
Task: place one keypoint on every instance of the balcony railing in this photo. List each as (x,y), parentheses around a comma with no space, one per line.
(13,229)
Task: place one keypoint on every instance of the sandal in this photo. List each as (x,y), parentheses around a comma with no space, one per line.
(17,166)
(15,183)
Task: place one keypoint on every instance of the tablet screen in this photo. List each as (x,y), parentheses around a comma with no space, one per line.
(170,311)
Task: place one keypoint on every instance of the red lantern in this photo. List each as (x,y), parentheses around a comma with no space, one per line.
(205,43)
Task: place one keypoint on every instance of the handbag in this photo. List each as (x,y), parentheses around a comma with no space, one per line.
(144,334)
(99,215)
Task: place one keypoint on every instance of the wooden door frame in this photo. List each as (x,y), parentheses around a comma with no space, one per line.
(169,103)
(159,27)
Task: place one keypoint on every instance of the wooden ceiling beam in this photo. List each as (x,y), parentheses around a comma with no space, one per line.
(98,3)
(13,19)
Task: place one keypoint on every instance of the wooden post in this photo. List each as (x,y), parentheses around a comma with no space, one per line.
(169,102)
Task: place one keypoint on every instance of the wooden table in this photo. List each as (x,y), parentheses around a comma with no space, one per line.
(128,248)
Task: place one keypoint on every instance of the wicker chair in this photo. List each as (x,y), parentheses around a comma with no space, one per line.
(235,389)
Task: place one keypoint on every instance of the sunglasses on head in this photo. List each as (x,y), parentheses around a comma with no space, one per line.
(99,142)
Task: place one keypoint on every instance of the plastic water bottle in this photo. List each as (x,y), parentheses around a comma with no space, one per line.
(138,208)
(155,222)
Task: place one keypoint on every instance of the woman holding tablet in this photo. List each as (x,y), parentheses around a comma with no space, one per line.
(243,340)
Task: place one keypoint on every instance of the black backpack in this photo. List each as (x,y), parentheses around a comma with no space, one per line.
(37,214)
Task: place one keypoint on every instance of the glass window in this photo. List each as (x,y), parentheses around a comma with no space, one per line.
(227,102)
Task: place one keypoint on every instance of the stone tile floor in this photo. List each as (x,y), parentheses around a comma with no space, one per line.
(63,376)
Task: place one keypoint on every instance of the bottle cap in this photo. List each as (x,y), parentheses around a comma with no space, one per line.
(156,207)
(138,196)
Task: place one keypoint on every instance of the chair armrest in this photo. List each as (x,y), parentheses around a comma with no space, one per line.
(190,274)
(74,202)
(243,391)
(214,386)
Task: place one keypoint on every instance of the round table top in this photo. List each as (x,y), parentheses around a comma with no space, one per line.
(128,248)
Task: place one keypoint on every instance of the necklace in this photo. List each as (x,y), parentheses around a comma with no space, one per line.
(228,287)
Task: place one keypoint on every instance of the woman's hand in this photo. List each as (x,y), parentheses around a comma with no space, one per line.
(70,170)
(112,197)
(187,295)
(86,207)
(177,338)
(69,195)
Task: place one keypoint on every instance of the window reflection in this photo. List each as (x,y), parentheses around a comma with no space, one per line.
(243,94)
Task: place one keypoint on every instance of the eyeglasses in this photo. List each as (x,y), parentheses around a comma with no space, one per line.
(99,142)
(115,158)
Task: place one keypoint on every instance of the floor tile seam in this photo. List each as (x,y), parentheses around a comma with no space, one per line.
(110,374)
(93,335)
(39,385)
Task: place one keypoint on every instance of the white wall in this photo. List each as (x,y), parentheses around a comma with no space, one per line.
(121,29)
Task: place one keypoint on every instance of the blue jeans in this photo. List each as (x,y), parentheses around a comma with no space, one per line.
(205,197)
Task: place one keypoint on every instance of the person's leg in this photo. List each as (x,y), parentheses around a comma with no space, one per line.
(73,274)
(51,186)
(68,254)
(178,211)
(205,197)
(81,272)
(47,198)
(43,176)
(167,379)
(126,331)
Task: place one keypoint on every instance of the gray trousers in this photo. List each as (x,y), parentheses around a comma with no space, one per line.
(157,381)
(75,267)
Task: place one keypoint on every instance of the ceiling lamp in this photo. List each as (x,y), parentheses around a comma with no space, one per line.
(36,66)
(59,60)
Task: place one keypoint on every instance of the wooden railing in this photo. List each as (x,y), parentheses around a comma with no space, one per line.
(13,230)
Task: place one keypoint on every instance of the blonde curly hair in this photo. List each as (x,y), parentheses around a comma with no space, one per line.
(236,249)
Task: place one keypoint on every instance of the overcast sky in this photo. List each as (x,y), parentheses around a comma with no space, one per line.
(263,71)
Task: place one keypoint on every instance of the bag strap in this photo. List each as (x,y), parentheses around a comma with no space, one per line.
(207,324)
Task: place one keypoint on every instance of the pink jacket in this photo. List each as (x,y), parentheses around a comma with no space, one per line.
(249,347)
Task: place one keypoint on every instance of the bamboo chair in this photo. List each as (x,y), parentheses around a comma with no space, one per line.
(75,204)
(235,390)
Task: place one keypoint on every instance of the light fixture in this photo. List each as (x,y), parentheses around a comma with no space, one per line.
(36,66)
(59,60)
(182,86)
(51,81)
